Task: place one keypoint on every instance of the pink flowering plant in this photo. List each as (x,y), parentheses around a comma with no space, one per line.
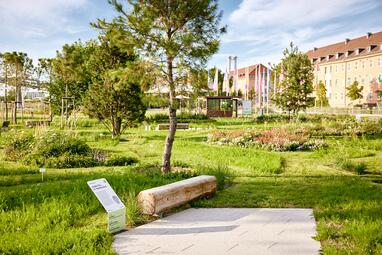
(276,139)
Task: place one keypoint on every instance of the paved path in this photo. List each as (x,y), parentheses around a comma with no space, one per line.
(224,231)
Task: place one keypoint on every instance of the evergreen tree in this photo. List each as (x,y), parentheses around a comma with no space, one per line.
(176,35)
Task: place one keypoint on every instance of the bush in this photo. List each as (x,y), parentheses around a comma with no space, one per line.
(68,160)
(19,146)
(120,161)
(59,150)
(181,118)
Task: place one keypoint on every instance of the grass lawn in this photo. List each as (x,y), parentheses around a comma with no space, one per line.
(61,215)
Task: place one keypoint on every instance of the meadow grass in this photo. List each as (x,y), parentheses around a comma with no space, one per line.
(61,215)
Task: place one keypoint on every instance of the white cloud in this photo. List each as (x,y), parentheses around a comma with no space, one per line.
(259,30)
(36,18)
(37,9)
(288,13)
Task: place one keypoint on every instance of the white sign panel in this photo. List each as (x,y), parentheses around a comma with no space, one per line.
(247,107)
(111,202)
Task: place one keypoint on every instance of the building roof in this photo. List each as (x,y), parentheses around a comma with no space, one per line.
(252,68)
(349,48)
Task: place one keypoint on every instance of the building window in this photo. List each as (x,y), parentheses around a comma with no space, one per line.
(336,83)
(325,69)
(349,81)
(371,63)
(343,67)
(363,64)
(349,66)
(336,68)
(330,69)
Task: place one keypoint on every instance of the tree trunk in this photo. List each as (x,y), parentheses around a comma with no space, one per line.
(117,127)
(166,160)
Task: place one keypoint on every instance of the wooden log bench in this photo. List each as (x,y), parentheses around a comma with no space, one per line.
(160,199)
(178,126)
(34,123)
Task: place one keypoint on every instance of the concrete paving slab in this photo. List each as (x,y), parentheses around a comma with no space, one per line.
(213,231)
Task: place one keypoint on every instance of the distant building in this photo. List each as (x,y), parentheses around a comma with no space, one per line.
(252,81)
(339,65)
(28,93)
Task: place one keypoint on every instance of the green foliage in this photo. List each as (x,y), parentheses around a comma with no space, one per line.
(297,81)
(116,160)
(70,74)
(224,176)
(179,36)
(19,146)
(321,99)
(354,92)
(156,101)
(182,118)
(114,95)
(347,164)
(50,149)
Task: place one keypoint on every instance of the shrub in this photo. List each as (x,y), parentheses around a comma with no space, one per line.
(120,161)
(68,160)
(19,146)
(59,150)
(181,118)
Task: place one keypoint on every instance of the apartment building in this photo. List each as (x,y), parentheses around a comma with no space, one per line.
(339,65)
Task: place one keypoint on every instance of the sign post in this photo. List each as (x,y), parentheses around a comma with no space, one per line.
(42,171)
(110,201)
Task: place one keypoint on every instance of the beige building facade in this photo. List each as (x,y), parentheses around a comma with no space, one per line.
(339,65)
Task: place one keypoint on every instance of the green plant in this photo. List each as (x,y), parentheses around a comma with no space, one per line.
(116,160)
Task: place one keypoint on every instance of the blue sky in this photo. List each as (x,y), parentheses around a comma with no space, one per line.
(258,30)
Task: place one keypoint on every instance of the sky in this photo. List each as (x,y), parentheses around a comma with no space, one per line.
(258,30)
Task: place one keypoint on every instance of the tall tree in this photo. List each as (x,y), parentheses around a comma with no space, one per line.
(297,81)
(5,71)
(354,91)
(19,72)
(176,35)
(321,98)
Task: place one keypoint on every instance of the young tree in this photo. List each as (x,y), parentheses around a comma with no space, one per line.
(5,71)
(115,97)
(321,98)
(354,92)
(19,72)
(297,81)
(176,35)
(70,75)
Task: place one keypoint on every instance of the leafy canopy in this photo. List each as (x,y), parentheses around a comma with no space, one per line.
(297,81)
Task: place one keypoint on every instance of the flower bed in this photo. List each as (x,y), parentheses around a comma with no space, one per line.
(276,139)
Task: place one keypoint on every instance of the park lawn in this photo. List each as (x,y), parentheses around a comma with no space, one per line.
(62,216)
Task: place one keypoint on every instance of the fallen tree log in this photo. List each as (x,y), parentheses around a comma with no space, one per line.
(156,200)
